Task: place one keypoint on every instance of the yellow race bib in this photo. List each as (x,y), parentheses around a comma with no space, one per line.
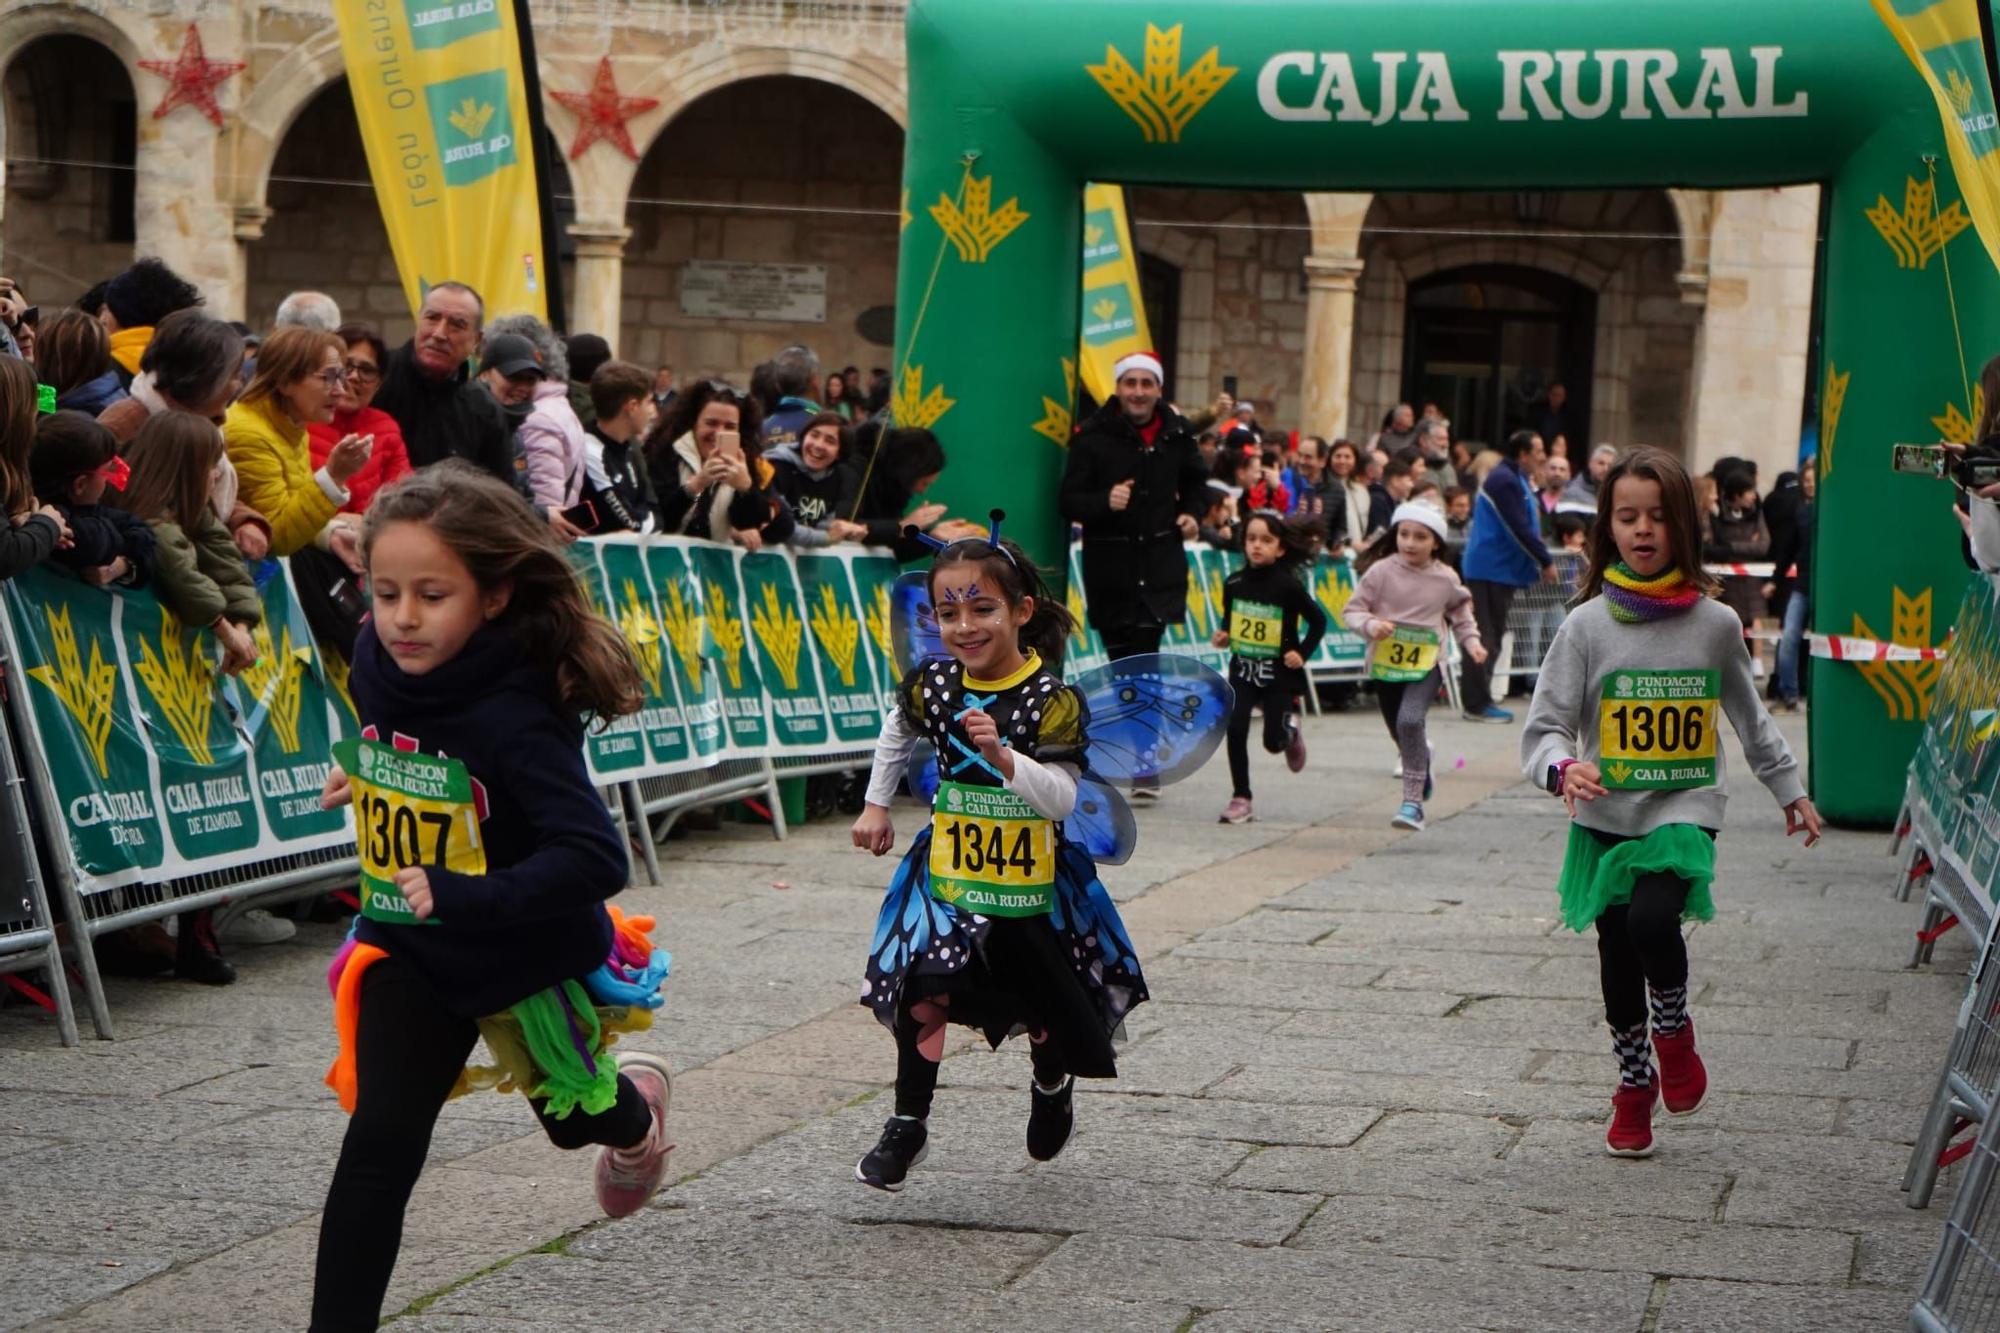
(1256,629)
(409,810)
(1656,729)
(1407,654)
(991,852)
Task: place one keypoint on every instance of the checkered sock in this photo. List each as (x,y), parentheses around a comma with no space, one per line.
(1635,1056)
(1670,1008)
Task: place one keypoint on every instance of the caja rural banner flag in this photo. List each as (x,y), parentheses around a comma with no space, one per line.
(441,93)
(1943,40)
(1114,313)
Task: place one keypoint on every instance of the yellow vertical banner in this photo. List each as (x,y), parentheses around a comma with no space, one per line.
(1942,39)
(438,89)
(1114,313)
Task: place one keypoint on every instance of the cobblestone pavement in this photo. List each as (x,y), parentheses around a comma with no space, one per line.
(1369,1093)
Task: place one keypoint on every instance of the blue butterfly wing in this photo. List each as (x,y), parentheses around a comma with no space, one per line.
(1101,824)
(1154,716)
(913,627)
(906,924)
(923,771)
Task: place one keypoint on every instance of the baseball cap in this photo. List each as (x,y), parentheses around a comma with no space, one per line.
(511,355)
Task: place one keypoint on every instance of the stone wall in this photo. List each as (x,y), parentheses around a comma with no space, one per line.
(790,143)
(60,235)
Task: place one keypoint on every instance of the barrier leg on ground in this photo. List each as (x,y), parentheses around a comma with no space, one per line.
(1970,1081)
(31,942)
(637,831)
(1962,1290)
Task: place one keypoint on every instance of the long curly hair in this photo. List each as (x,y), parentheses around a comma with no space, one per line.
(686,411)
(503,542)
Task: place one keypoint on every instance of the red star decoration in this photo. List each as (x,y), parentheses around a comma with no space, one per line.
(192,78)
(602,113)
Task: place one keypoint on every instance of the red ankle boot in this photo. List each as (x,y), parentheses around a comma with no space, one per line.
(1683,1077)
(1631,1132)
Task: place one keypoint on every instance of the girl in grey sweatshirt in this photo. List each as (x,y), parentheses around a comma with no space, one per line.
(1624,729)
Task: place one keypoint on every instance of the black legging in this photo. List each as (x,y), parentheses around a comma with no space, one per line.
(1275,698)
(917,1073)
(409,1050)
(1131,640)
(1640,943)
(1490,604)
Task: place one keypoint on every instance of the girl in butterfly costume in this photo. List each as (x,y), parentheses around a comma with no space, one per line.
(995,918)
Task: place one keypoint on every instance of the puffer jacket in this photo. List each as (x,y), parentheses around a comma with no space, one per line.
(553,444)
(274,468)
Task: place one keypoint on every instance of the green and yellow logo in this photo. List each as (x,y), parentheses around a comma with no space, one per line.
(90,695)
(1831,402)
(838,632)
(1921,230)
(1906,688)
(777,627)
(912,406)
(876,614)
(1108,315)
(642,632)
(975,229)
(474,127)
(1163,100)
(182,685)
(726,631)
(1058,417)
(438,23)
(682,622)
(273,680)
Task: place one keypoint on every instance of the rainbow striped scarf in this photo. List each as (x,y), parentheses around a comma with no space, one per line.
(1635,600)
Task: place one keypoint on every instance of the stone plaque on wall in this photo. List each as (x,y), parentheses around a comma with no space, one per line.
(781,293)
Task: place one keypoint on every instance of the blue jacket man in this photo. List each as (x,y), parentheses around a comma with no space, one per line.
(1503,552)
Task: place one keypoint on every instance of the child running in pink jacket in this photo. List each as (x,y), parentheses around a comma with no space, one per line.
(1401,605)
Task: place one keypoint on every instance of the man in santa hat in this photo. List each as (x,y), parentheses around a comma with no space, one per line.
(1136,484)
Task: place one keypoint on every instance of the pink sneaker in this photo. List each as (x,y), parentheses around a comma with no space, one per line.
(628,1177)
(1237,811)
(1295,753)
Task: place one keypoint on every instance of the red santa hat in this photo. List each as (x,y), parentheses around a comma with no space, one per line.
(1145,361)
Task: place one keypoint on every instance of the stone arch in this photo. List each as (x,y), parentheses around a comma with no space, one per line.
(682,81)
(122,35)
(277,99)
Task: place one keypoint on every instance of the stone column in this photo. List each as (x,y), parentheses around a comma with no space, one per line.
(597,289)
(179,211)
(1329,354)
(249,229)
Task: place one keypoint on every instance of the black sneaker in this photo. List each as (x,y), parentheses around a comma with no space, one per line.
(196,955)
(903,1144)
(1050,1120)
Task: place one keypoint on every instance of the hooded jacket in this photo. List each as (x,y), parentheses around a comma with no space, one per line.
(199,575)
(552,443)
(816,497)
(536,917)
(93,395)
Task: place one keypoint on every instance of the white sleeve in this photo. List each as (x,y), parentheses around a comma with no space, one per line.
(892,756)
(1050,788)
(1985,533)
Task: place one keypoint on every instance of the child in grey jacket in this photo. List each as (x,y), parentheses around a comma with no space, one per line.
(1623,729)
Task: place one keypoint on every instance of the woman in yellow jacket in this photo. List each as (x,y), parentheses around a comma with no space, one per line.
(265,434)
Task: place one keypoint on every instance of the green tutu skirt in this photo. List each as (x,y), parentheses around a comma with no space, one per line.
(1596,876)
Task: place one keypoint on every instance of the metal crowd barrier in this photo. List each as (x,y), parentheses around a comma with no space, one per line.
(27,930)
(1967,1089)
(1961,1292)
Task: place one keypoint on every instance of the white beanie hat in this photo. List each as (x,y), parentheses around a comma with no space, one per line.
(1411,511)
(1138,361)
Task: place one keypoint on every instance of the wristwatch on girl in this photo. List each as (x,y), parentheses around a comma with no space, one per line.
(1555,778)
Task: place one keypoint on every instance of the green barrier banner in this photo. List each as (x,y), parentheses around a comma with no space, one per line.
(1955,776)
(1332,585)
(86,729)
(874,574)
(201,761)
(833,612)
(790,668)
(1086,648)
(671,576)
(616,752)
(726,640)
(284,702)
(636,612)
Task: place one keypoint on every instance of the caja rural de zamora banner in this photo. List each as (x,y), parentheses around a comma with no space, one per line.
(442,103)
(157,768)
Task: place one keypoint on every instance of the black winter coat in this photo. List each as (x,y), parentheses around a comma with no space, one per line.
(1137,549)
(442,419)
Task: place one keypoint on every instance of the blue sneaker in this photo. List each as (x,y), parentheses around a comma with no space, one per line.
(1491,713)
(1410,816)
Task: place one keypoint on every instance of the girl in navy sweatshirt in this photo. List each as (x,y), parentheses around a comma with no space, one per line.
(1272,624)
(486,859)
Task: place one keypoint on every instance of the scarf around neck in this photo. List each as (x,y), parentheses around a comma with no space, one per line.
(1634,599)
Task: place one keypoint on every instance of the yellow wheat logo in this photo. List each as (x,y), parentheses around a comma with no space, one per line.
(1920,230)
(1163,100)
(273,681)
(976,229)
(876,613)
(1960,90)
(1905,687)
(471,117)
(1619,770)
(778,629)
(727,631)
(89,695)
(1092,235)
(1954,425)
(1215,595)
(1836,398)
(1331,590)
(683,627)
(838,632)
(1057,418)
(1080,630)
(181,683)
(915,408)
(642,632)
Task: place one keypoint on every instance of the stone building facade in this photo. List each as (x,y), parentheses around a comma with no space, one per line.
(1680,318)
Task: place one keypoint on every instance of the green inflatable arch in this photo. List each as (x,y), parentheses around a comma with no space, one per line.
(1014,105)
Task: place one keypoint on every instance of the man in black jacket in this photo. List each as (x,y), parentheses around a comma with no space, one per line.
(427,389)
(1135,482)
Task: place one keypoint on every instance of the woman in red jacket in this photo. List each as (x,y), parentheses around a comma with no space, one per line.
(352,415)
